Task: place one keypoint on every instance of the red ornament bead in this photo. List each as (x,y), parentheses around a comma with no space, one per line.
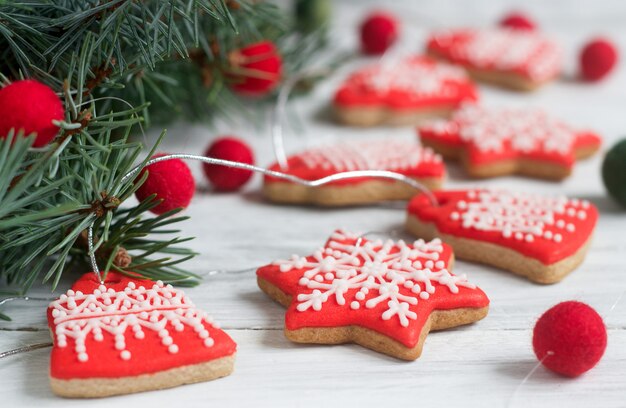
(30,106)
(597,59)
(517,21)
(570,338)
(378,32)
(256,69)
(227,178)
(171,181)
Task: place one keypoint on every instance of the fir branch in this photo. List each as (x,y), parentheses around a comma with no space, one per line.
(116,63)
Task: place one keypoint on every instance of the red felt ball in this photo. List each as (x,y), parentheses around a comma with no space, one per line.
(30,106)
(255,69)
(597,59)
(378,32)
(517,21)
(570,338)
(227,178)
(171,181)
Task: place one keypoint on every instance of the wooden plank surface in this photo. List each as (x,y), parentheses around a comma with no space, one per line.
(479,365)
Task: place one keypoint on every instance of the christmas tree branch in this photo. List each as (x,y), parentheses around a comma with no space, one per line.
(116,64)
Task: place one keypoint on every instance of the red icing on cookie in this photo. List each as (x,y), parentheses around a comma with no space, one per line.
(413,83)
(547,229)
(489,136)
(390,287)
(526,53)
(402,157)
(129,327)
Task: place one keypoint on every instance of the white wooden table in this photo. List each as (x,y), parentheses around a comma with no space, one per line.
(478,365)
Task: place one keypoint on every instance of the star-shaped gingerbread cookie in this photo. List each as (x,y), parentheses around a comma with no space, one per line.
(385,296)
(406,158)
(497,142)
(402,92)
(540,237)
(129,335)
(517,59)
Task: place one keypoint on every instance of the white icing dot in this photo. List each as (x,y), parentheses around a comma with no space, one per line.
(82,357)
(424,295)
(208,342)
(125,355)
(173,349)
(558,238)
(354,305)
(582,214)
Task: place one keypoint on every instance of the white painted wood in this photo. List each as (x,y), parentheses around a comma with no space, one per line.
(473,366)
(479,365)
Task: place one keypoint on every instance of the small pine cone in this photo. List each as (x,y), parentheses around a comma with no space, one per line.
(122,258)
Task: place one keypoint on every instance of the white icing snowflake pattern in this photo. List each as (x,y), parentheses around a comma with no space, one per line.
(391,155)
(128,312)
(496,130)
(519,216)
(362,273)
(508,50)
(414,76)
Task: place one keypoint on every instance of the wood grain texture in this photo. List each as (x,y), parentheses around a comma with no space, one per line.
(479,365)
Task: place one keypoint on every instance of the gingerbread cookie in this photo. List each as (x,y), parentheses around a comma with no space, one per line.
(385,296)
(516,59)
(541,238)
(130,335)
(402,92)
(497,142)
(406,158)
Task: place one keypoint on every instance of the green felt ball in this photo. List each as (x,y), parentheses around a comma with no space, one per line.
(614,172)
(312,15)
